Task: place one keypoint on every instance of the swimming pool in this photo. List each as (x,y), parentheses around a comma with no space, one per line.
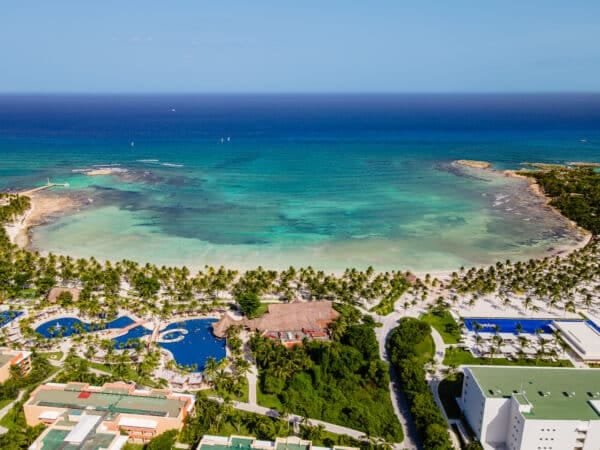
(67,326)
(8,316)
(197,345)
(135,333)
(511,325)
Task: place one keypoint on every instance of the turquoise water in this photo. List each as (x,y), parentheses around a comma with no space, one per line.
(330,182)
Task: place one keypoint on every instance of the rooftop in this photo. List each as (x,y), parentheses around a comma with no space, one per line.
(209,442)
(313,315)
(109,400)
(582,338)
(554,393)
(85,435)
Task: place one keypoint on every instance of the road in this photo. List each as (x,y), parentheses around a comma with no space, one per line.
(399,400)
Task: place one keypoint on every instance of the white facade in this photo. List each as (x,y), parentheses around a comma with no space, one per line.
(500,423)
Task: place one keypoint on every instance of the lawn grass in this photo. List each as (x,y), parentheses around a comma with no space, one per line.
(426,349)
(130,446)
(54,356)
(449,389)
(267,400)
(458,356)
(445,324)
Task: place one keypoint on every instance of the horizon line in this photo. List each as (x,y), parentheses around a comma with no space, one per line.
(290,93)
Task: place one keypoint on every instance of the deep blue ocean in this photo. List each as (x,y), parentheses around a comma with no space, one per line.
(325,180)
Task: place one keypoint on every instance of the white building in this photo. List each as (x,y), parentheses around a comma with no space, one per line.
(582,337)
(523,408)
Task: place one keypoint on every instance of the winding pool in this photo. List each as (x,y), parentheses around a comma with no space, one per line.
(135,333)
(8,316)
(67,326)
(197,345)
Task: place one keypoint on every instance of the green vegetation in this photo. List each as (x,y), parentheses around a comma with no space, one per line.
(249,303)
(399,285)
(120,367)
(55,356)
(575,192)
(405,344)
(341,382)
(211,417)
(458,356)
(19,435)
(41,369)
(164,441)
(444,323)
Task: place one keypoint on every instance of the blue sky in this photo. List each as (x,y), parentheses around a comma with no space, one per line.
(301,46)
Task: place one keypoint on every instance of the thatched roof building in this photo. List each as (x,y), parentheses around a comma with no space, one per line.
(56,291)
(285,317)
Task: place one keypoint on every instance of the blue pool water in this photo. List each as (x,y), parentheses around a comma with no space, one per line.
(198,344)
(8,316)
(509,325)
(66,326)
(134,333)
(593,325)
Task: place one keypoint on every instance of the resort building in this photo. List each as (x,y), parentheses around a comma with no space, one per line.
(289,323)
(79,432)
(249,443)
(141,414)
(56,292)
(14,358)
(532,408)
(583,337)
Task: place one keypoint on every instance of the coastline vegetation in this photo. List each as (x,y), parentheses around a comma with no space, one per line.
(575,192)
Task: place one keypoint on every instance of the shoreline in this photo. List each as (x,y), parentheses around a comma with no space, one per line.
(43,206)
(584,235)
(46,204)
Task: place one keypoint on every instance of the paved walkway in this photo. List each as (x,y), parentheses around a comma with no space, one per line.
(252,376)
(437,377)
(4,411)
(295,419)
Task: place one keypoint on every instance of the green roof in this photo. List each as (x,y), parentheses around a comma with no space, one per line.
(554,393)
(287,446)
(109,402)
(54,439)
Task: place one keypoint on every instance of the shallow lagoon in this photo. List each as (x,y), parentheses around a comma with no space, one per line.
(326,181)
